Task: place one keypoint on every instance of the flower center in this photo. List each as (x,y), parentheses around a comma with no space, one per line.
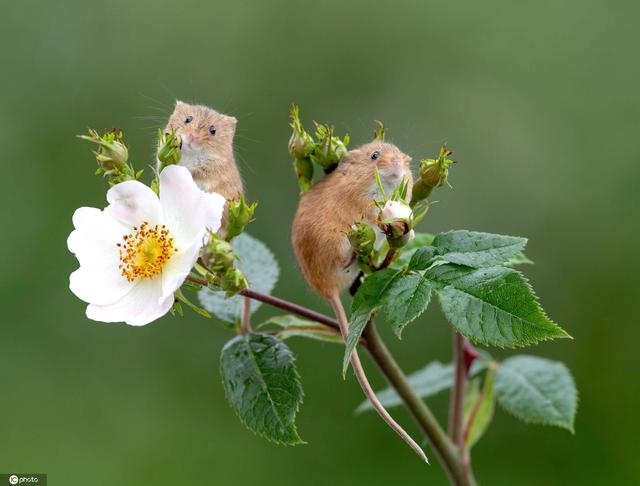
(144,252)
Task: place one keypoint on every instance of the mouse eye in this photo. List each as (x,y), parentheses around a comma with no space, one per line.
(189,119)
(375,155)
(212,130)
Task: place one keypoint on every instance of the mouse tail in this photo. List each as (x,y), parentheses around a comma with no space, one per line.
(336,303)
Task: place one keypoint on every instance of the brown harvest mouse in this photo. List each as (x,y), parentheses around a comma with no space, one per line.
(207,148)
(320,243)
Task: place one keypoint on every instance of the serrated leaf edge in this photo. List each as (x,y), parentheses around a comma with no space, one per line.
(298,439)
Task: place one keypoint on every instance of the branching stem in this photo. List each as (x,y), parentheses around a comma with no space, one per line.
(447,452)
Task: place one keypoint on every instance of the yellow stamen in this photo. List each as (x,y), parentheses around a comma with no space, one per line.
(144,252)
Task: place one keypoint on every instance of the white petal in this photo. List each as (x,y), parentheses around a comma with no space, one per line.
(396,210)
(95,237)
(99,286)
(186,208)
(137,308)
(177,268)
(215,208)
(132,203)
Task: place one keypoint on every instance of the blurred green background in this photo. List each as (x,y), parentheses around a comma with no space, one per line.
(540,102)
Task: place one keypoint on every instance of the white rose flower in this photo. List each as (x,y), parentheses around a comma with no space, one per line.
(138,251)
(396,210)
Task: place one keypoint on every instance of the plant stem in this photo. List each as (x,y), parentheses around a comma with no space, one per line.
(279,303)
(445,449)
(456,402)
(449,456)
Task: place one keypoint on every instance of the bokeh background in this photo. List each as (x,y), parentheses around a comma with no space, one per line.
(540,102)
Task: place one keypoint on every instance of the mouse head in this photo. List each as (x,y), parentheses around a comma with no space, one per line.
(205,134)
(392,163)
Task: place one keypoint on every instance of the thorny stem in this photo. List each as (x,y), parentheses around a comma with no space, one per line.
(449,456)
(456,403)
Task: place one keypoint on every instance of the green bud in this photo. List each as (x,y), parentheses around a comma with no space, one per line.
(362,238)
(329,149)
(169,145)
(433,173)
(301,144)
(379,132)
(112,153)
(304,171)
(240,215)
(233,281)
(219,254)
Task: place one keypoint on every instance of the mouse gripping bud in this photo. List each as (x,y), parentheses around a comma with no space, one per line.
(169,145)
(329,149)
(240,215)
(396,221)
(112,155)
(362,238)
(433,173)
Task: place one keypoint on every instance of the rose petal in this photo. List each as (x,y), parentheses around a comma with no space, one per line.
(131,203)
(99,286)
(95,237)
(177,268)
(137,308)
(187,210)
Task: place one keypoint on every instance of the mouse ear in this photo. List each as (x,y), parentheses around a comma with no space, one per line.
(180,104)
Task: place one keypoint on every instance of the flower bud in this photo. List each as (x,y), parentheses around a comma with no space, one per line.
(219,254)
(433,173)
(380,131)
(329,149)
(112,154)
(396,210)
(240,214)
(362,238)
(304,171)
(233,281)
(169,145)
(396,221)
(301,143)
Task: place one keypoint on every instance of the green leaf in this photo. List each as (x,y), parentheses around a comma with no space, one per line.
(537,390)
(492,305)
(479,410)
(518,259)
(262,385)
(477,250)
(258,265)
(368,299)
(422,258)
(426,382)
(294,326)
(418,241)
(405,300)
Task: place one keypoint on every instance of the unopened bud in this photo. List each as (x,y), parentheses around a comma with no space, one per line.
(396,210)
(219,254)
(112,154)
(304,171)
(301,144)
(169,145)
(362,238)
(233,281)
(433,173)
(396,222)
(240,215)
(329,149)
